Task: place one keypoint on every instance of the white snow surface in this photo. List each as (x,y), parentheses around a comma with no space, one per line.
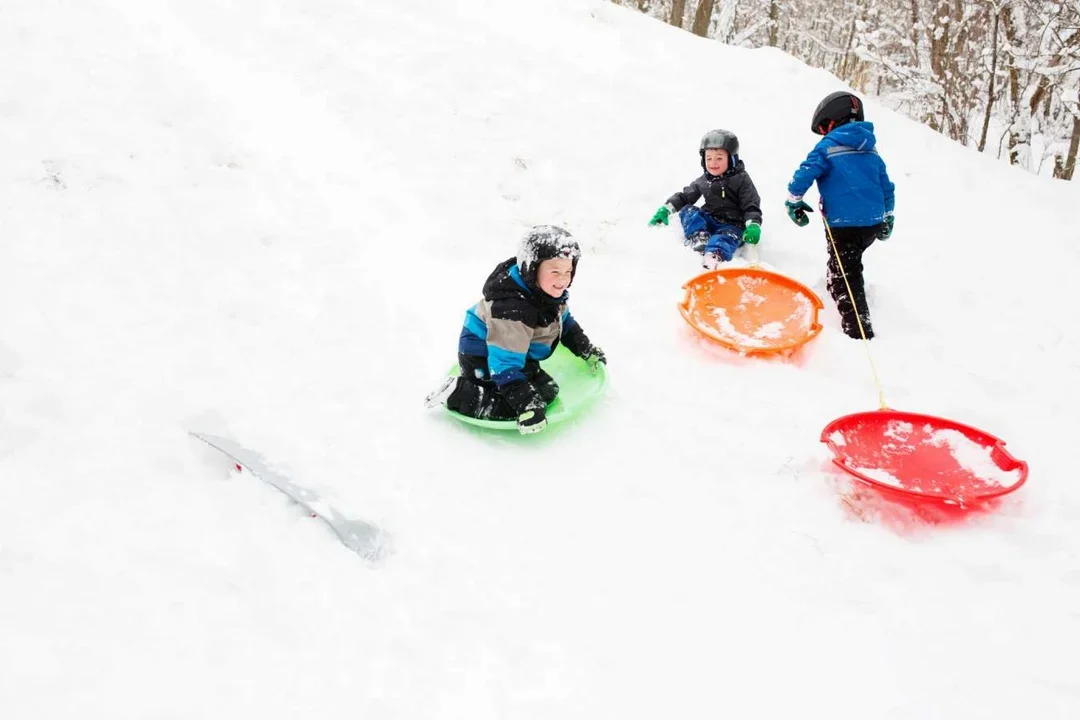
(266,219)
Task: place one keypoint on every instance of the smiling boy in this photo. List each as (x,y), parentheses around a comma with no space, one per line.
(731,213)
(521,319)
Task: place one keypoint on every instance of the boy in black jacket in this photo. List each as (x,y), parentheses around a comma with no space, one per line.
(731,214)
(522,317)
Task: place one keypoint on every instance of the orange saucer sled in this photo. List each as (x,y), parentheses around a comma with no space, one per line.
(752,311)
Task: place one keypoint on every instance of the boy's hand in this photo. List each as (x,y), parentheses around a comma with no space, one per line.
(797,210)
(752,234)
(661,216)
(595,359)
(532,421)
(886,232)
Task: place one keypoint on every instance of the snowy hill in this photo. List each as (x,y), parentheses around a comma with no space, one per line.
(268,219)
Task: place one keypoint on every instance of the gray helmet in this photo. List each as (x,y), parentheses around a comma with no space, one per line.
(720,140)
(545,242)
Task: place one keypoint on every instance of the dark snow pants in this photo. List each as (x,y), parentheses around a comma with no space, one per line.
(851,243)
(476,395)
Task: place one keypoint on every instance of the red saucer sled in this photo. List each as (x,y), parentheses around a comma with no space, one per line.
(752,311)
(922,458)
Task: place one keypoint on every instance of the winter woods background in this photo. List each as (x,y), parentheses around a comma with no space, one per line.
(1002,76)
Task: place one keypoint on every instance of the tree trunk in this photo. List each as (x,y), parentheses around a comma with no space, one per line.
(915,33)
(703,17)
(1074,145)
(844,72)
(678,13)
(774,21)
(990,89)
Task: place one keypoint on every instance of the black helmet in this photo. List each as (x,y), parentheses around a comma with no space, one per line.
(545,242)
(720,140)
(835,110)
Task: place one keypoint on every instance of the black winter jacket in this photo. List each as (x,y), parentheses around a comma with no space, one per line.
(730,198)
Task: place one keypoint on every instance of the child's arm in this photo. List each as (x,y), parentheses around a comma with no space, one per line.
(888,190)
(749,201)
(577,342)
(814,166)
(688,196)
(677,202)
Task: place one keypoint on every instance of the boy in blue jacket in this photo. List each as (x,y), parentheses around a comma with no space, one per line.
(520,320)
(857,199)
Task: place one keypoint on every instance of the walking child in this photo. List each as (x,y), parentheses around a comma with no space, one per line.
(857,200)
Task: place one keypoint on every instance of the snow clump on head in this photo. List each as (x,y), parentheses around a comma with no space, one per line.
(545,242)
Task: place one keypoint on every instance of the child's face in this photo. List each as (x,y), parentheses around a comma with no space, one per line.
(716,161)
(553,275)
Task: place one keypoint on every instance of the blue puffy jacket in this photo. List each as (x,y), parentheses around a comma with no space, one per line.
(855,188)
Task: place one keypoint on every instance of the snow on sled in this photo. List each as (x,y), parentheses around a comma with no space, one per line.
(751,310)
(579,387)
(923,458)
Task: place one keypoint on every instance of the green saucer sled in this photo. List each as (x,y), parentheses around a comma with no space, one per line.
(578,388)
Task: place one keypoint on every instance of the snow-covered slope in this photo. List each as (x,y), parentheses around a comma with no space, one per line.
(267,219)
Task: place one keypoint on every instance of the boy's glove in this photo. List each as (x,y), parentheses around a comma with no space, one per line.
(752,233)
(532,421)
(886,231)
(661,216)
(797,210)
(595,359)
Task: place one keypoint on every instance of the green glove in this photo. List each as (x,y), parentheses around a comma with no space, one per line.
(797,212)
(661,216)
(886,232)
(752,233)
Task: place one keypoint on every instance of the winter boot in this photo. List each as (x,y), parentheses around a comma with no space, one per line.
(439,395)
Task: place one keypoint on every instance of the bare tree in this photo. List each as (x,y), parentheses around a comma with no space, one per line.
(678,13)
(702,17)
(993,76)
(774,21)
(971,69)
(1074,144)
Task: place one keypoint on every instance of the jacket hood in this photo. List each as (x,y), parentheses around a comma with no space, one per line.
(859,135)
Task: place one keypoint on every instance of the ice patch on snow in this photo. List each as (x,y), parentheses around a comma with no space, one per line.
(973,457)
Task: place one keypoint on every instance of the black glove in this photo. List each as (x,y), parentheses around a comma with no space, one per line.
(595,358)
(532,421)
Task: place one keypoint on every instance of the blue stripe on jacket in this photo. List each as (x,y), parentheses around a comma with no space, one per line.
(504,366)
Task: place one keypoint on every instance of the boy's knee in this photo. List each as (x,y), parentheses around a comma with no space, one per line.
(724,245)
(546,387)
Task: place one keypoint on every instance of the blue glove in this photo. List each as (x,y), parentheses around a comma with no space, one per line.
(797,211)
(886,231)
